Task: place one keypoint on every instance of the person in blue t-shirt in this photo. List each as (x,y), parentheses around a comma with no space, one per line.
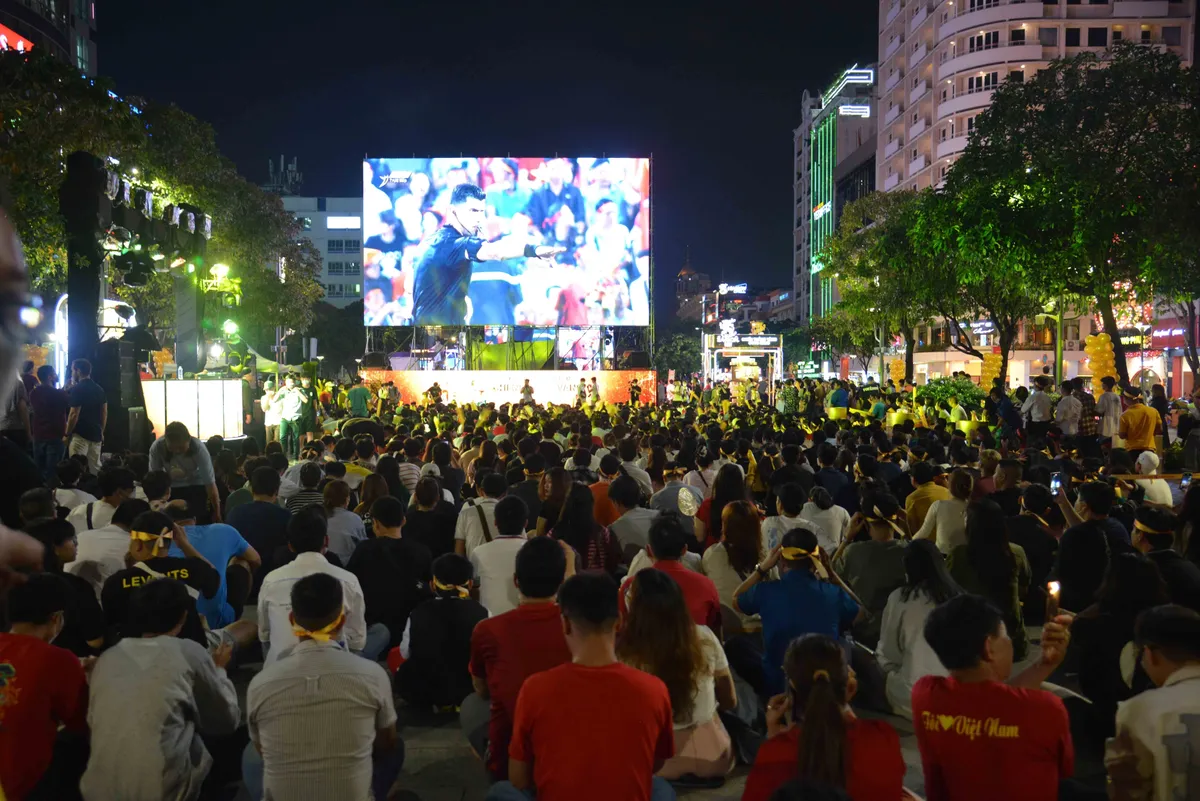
(233,557)
(799,603)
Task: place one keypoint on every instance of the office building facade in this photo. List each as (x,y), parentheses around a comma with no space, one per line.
(334,224)
(64,27)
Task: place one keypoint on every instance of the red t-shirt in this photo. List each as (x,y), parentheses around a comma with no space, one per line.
(506,650)
(698,591)
(41,686)
(593,732)
(874,764)
(986,740)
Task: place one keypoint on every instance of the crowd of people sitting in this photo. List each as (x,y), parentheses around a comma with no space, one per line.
(617,602)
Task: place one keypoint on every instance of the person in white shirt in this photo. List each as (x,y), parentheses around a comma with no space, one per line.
(1153,755)
(307,538)
(116,485)
(946,521)
(1068,411)
(495,562)
(789,508)
(741,548)
(826,515)
(101,551)
(477,518)
(903,653)
(67,495)
(1157,490)
(704,475)
(632,526)
(627,449)
(1108,406)
(1037,406)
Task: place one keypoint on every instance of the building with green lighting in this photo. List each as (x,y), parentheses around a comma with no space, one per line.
(835,164)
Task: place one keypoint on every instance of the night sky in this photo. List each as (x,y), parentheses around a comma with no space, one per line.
(712,94)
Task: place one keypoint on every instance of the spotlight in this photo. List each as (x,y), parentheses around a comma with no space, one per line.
(216,351)
(229,327)
(219,271)
(178,261)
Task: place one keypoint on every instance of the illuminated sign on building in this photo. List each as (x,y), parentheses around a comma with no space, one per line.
(343,223)
(728,333)
(854,111)
(732,289)
(854,75)
(821,209)
(11,40)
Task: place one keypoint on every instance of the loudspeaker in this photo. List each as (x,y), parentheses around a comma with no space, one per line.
(115,370)
(376,360)
(637,360)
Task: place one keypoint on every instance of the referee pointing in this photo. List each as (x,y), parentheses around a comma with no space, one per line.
(443,272)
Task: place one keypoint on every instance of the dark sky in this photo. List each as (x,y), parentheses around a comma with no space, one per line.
(710,89)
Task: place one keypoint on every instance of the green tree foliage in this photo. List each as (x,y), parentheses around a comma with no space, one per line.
(847,331)
(1088,173)
(679,352)
(969,394)
(339,334)
(47,110)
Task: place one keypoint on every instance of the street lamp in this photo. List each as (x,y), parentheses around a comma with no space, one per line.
(320,364)
(1142,327)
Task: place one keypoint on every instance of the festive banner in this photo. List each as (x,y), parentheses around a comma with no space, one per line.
(504,386)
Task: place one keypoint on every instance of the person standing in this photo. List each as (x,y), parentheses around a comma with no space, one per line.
(358,397)
(271,411)
(593,393)
(1069,410)
(527,394)
(50,406)
(308,422)
(14,422)
(185,459)
(1037,407)
(291,409)
(1141,426)
(1108,406)
(635,392)
(88,416)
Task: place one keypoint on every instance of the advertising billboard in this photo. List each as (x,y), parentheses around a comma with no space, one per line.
(506,241)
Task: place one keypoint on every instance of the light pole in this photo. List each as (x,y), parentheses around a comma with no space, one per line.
(320,366)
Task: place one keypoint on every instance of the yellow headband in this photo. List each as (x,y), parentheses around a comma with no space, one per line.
(157,539)
(1142,527)
(463,592)
(796,554)
(323,634)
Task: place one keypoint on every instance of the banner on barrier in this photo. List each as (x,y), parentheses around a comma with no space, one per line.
(504,386)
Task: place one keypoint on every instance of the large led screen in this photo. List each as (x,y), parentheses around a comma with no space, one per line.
(506,241)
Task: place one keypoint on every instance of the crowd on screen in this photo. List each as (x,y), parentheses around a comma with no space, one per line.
(597,210)
(615,600)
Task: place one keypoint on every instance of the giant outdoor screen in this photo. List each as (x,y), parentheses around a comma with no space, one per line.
(506,241)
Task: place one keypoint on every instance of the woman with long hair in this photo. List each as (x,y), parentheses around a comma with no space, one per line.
(372,488)
(430,519)
(346,529)
(83,621)
(576,525)
(945,522)
(552,490)
(389,468)
(729,486)
(659,637)
(729,561)
(488,459)
(989,565)
(655,465)
(703,474)
(903,653)
(814,735)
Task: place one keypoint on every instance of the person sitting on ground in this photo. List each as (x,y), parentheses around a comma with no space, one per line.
(813,719)
(155,489)
(1147,758)
(1013,722)
(1033,531)
(154,695)
(799,603)
(945,523)
(826,516)
(102,551)
(309,495)
(437,640)
(925,492)
(632,526)
(235,560)
(874,567)
(508,648)
(35,505)
(494,562)
(476,520)
(595,546)
(430,519)
(307,539)
(45,689)
(1085,549)
(790,499)
(262,522)
(1157,490)
(660,638)
(629,713)
(741,548)
(1154,535)
(333,738)
(667,551)
(345,529)
(395,573)
(67,494)
(83,630)
(116,485)
(903,654)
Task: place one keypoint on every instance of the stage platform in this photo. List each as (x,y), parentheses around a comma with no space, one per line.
(504,386)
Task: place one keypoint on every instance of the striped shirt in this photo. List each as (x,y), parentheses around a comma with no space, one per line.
(304,499)
(314,714)
(410,474)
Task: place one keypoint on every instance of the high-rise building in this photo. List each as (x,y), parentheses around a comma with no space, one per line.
(64,27)
(940,61)
(334,224)
(835,164)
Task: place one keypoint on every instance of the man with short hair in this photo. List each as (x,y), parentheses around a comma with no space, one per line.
(477,519)
(67,494)
(925,492)
(263,522)
(534,466)
(495,561)
(1069,410)
(101,551)
(665,551)
(50,406)
(1108,406)
(789,502)
(234,559)
(1037,407)
(155,489)
(677,497)
(116,486)
(632,526)
(88,416)
(1154,535)
(395,572)
(154,695)
(1141,425)
(44,689)
(591,705)
(974,725)
(1153,755)
(307,539)
(187,462)
(508,648)
(333,738)
(309,495)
